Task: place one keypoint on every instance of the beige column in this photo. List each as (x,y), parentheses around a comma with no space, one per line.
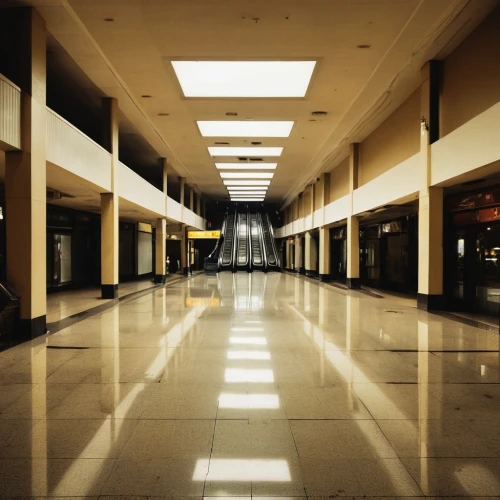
(110,206)
(160,251)
(191,198)
(182,185)
(164,165)
(353,222)
(308,252)
(25,177)
(198,204)
(184,251)
(430,212)
(298,255)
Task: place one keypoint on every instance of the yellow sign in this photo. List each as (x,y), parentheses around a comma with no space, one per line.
(202,301)
(203,235)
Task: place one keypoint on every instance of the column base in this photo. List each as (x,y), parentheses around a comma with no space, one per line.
(353,283)
(33,328)
(186,271)
(160,278)
(325,278)
(109,291)
(430,302)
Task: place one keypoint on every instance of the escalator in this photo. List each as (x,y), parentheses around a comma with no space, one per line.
(243,251)
(226,255)
(257,250)
(271,253)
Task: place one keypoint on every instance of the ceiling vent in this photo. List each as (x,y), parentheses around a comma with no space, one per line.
(319,113)
(256,143)
(242,159)
(256,159)
(221,143)
(231,113)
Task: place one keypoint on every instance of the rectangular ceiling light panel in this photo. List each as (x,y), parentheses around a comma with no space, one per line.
(244,78)
(246,175)
(228,151)
(248,128)
(246,183)
(246,166)
(247,193)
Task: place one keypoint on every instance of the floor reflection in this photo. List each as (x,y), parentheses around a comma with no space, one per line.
(253,385)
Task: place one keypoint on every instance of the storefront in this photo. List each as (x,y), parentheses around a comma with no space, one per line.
(338,253)
(472,273)
(73,248)
(389,254)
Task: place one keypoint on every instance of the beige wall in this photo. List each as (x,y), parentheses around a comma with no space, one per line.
(392,142)
(471,76)
(339,181)
(318,194)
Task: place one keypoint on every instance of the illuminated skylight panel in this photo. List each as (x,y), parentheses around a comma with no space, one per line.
(247,188)
(247,193)
(247,199)
(246,175)
(246,166)
(248,128)
(244,78)
(246,183)
(242,151)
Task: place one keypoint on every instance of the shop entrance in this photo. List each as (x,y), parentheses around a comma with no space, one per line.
(476,269)
(58,260)
(338,253)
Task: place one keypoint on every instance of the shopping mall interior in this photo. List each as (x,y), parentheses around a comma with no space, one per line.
(249,249)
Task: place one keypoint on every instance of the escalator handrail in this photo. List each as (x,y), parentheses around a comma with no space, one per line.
(273,240)
(262,243)
(220,242)
(236,230)
(223,244)
(249,242)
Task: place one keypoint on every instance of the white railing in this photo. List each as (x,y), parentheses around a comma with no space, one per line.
(10,113)
(399,182)
(134,188)
(73,151)
(469,147)
(174,210)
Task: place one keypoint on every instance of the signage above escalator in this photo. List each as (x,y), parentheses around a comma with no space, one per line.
(203,235)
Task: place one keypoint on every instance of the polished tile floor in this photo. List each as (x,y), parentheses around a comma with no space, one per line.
(253,386)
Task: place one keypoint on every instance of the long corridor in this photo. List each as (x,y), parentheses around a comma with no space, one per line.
(253,385)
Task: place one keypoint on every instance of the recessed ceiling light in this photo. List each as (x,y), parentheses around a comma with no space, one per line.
(244,78)
(245,193)
(216,151)
(246,183)
(247,199)
(245,128)
(246,166)
(246,188)
(246,175)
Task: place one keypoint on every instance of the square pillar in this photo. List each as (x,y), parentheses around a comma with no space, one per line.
(353,252)
(324,254)
(198,205)
(25,176)
(430,212)
(182,188)
(110,206)
(164,165)
(161,251)
(353,222)
(191,198)
(310,253)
